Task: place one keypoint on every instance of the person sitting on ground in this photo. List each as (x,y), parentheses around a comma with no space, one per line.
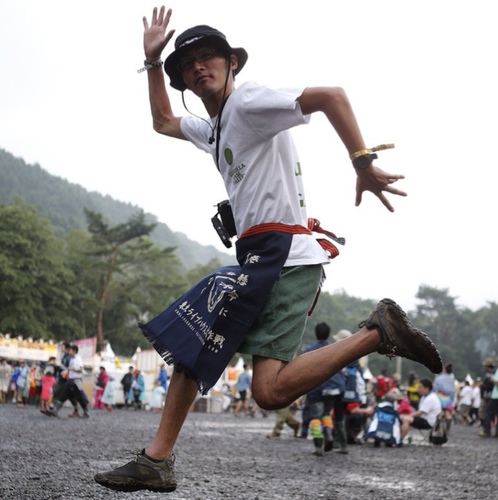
(385,422)
(357,416)
(403,405)
(428,411)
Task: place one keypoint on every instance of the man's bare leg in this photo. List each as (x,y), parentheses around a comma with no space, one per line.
(179,398)
(276,384)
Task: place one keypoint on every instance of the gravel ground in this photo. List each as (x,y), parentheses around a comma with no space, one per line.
(219,456)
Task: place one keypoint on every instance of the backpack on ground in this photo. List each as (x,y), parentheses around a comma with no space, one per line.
(439,433)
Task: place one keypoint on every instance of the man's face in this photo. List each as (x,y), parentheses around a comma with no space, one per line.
(422,390)
(204,70)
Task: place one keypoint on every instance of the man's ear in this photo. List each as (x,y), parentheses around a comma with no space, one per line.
(234,62)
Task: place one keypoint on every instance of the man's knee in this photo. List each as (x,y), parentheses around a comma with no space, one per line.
(267,398)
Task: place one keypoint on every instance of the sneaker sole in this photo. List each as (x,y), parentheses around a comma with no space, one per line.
(132,485)
(422,349)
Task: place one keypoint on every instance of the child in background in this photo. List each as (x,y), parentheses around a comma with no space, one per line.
(158,394)
(108,395)
(47,383)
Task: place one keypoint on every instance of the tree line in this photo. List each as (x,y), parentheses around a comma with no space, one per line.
(103,280)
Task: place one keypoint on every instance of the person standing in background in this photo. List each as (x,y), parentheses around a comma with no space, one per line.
(162,377)
(5,373)
(126,382)
(243,385)
(101,384)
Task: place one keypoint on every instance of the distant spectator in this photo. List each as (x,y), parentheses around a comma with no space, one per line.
(137,390)
(428,410)
(101,383)
(412,390)
(162,378)
(109,391)
(243,386)
(157,399)
(73,388)
(491,410)
(383,384)
(324,399)
(444,387)
(47,384)
(61,379)
(5,373)
(385,423)
(476,401)
(23,383)
(465,402)
(126,382)
(284,416)
(487,386)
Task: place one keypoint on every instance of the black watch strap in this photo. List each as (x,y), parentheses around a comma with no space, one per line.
(364,161)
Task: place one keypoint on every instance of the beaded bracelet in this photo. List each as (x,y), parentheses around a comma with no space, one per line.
(150,64)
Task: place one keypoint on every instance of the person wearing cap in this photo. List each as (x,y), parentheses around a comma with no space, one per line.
(259,307)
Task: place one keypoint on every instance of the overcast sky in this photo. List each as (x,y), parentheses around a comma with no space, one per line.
(419,74)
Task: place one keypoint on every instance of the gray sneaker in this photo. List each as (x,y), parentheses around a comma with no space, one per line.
(141,473)
(399,337)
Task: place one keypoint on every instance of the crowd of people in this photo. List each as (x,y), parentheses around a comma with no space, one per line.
(338,412)
(353,407)
(48,385)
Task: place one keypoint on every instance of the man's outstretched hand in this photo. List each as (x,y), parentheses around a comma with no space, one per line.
(377,181)
(155,38)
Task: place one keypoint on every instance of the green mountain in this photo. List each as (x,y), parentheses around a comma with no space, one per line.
(63,202)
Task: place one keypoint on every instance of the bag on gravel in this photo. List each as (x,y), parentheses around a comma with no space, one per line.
(438,434)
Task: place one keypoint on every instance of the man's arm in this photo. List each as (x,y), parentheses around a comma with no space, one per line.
(155,40)
(334,103)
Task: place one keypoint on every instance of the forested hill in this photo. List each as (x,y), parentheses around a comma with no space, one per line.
(63,202)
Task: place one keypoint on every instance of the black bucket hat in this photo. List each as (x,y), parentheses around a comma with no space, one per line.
(197,35)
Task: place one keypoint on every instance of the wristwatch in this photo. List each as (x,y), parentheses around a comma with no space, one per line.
(364,161)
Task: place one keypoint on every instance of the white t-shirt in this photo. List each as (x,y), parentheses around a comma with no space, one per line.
(465,395)
(430,405)
(75,365)
(476,396)
(259,163)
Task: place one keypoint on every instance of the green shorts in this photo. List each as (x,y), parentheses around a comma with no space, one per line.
(278,331)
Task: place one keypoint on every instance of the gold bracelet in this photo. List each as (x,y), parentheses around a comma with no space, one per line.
(362,152)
